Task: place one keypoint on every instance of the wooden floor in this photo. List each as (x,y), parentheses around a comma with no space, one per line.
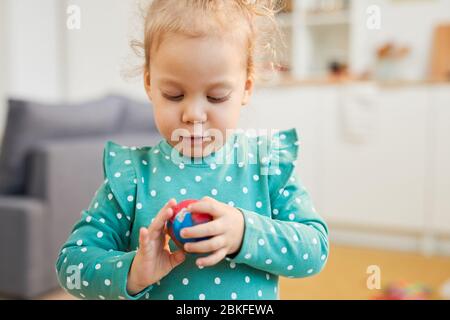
(345,275)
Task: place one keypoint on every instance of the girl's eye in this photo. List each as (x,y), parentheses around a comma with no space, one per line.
(173,98)
(218,100)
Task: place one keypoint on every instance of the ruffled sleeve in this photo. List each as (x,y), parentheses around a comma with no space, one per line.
(120,173)
(283,155)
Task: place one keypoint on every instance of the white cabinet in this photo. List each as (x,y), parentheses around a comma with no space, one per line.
(380,181)
(441,164)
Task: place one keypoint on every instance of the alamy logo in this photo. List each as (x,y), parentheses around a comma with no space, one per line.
(73,17)
(373,17)
(374,278)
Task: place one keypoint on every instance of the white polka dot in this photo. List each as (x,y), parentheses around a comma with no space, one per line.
(275,211)
(290,267)
(144,162)
(267,276)
(310,271)
(247,279)
(119,216)
(298,200)
(183,191)
(305,256)
(142,179)
(107,282)
(170,297)
(261,242)
(110,196)
(99,234)
(291,216)
(102,220)
(135,181)
(248,256)
(65,260)
(80,266)
(88,219)
(117,174)
(245,190)
(153,193)
(217,280)
(250,220)
(156,151)
(127,162)
(85,283)
(201,296)
(268,261)
(119,264)
(167,157)
(127,234)
(241,164)
(214,192)
(147,295)
(323,257)
(314,241)
(233,295)
(285,193)
(278,172)
(101,297)
(272,229)
(112,154)
(256,177)
(181,166)
(168,179)
(139,206)
(200,267)
(283,250)
(154,170)
(79,242)
(232,265)
(259,293)
(185,281)
(130,198)
(295,238)
(228,178)
(83,249)
(96,205)
(258,204)
(213,166)
(231,203)
(98,266)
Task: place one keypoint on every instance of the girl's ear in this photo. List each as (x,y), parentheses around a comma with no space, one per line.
(249,84)
(147,83)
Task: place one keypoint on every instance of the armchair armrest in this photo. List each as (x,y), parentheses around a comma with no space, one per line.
(23,267)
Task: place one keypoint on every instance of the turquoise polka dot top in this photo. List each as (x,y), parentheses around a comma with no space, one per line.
(283,234)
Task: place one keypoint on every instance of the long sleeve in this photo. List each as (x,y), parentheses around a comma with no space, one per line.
(293,241)
(95,260)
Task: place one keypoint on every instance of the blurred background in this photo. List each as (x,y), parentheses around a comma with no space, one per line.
(366,84)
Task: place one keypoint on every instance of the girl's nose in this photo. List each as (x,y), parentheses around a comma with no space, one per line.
(194,113)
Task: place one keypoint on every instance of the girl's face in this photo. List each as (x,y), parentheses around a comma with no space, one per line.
(198,87)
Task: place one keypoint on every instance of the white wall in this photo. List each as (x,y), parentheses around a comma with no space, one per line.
(99,51)
(407,22)
(3,65)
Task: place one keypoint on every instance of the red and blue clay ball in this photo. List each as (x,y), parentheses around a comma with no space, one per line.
(182,218)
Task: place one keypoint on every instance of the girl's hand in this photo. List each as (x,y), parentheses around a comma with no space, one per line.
(153,259)
(226,231)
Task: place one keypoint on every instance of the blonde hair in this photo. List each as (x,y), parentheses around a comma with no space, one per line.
(253,19)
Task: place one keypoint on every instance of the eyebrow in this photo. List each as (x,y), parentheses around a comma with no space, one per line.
(210,86)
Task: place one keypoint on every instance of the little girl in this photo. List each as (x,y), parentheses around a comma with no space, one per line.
(199,72)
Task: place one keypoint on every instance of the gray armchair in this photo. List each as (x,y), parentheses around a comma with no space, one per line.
(50,168)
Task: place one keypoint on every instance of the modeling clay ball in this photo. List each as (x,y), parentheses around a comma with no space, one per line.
(182,219)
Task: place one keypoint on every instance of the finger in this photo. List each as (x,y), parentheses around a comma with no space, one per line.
(144,243)
(210,245)
(213,258)
(205,205)
(157,226)
(207,229)
(177,258)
